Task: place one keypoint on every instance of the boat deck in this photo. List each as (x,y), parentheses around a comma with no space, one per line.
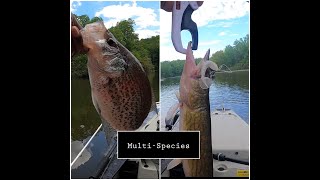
(230,136)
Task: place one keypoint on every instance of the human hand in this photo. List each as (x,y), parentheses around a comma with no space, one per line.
(76,38)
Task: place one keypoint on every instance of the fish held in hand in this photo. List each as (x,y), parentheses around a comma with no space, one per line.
(195,112)
(121,91)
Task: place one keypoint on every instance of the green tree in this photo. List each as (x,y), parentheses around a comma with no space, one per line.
(125,34)
(145,50)
(166,70)
(218,57)
(235,57)
(95,19)
(152,46)
(79,66)
(229,54)
(83,20)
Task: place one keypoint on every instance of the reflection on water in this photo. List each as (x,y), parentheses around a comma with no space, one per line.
(84,117)
(229,89)
(85,155)
(86,166)
(238,79)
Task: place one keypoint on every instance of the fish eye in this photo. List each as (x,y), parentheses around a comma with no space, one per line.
(111,42)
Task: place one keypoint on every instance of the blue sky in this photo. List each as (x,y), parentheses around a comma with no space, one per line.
(145,14)
(220,22)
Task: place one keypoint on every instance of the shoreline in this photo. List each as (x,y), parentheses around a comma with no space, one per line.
(162,79)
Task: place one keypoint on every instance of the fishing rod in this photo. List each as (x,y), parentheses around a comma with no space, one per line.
(76,158)
(222,157)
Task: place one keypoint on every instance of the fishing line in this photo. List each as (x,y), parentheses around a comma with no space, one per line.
(223,65)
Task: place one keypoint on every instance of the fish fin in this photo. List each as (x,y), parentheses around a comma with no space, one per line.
(174,163)
(207,55)
(171,113)
(109,131)
(205,58)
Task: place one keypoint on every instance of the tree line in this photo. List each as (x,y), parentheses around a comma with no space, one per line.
(235,57)
(145,50)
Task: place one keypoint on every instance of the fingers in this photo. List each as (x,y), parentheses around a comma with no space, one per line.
(167,5)
(199,3)
(76,38)
(75,32)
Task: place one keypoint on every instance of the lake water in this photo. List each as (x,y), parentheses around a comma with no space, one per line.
(84,122)
(229,89)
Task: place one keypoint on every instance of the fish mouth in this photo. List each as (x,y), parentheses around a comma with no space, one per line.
(207,71)
(212,68)
(204,72)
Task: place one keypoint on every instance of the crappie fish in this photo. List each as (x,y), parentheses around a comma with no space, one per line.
(195,112)
(121,91)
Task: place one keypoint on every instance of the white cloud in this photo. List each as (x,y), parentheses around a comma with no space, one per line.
(165,29)
(168,53)
(146,33)
(220,10)
(75,5)
(222,33)
(110,23)
(164,41)
(143,17)
(204,16)
(145,20)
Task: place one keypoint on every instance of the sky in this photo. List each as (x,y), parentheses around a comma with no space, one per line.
(144,13)
(220,22)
